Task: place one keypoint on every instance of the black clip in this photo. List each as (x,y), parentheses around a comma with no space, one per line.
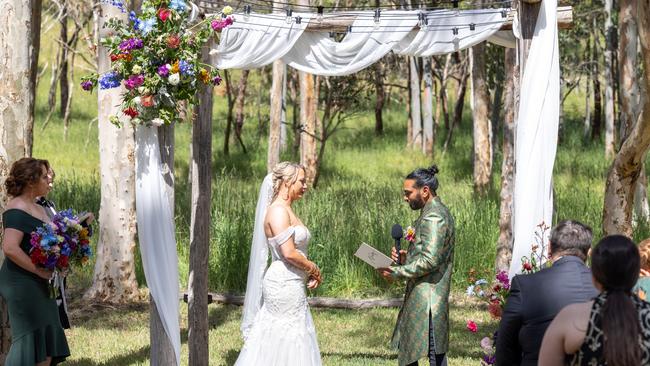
(455,30)
(298,20)
(377,15)
(472,26)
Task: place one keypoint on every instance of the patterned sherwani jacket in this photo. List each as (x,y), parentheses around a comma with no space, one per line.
(428,270)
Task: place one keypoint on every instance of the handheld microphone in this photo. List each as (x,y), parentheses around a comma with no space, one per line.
(396,232)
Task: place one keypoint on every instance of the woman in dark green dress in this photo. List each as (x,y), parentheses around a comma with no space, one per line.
(37,337)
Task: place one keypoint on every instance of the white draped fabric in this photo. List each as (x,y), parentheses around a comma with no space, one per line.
(536,135)
(156,233)
(438,37)
(258,39)
(317,53)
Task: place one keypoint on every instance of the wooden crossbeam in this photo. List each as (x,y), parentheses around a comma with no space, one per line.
(340,22)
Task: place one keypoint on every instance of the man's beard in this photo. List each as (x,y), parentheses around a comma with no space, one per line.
(417,203)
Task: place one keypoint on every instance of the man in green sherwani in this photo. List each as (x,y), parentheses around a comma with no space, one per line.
(422,328)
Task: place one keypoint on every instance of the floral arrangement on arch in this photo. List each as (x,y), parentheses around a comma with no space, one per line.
(156,55)
(496,292)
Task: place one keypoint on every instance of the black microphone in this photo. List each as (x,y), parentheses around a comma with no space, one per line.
(396,232)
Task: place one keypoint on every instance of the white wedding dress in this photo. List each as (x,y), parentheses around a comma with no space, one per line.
(283,332)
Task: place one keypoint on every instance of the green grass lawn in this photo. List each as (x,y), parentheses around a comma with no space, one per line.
(105,335)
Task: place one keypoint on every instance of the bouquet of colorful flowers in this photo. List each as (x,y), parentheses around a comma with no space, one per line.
(61,243)
(157,57)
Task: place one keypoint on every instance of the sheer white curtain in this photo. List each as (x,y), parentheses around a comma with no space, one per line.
(256,40)
(449,31)
(536,135)
(317,53)
(156,233)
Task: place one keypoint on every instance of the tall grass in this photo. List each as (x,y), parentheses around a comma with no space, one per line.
(358,198)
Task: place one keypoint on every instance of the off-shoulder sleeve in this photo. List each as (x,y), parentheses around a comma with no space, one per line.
(14,219)
(281,238)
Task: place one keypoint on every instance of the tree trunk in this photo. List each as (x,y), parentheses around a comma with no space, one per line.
(379,98)
(17,48)
(200,227)
(162,350)
(427,108)
(624,172)
(610,34)
(283,116)
(416,116)
(63,74)
(505,241)
(229,117)
(308,110)
(117,219)
(588,83)
(596,122)
(460,103)
(482,124)
(627,51)
(630,97)
(239,103)
(273,156)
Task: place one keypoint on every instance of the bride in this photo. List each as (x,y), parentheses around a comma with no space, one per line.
(277,326)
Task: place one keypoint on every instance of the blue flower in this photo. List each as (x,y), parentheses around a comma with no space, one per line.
(470,290)
(481,282)
(186,68)
(109,80)
(178,5)
(146,26)
(134,19)
(116,3)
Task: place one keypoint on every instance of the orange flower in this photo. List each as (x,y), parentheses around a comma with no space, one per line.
(205,76)
(175,68)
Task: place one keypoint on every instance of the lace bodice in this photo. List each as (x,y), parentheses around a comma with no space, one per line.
(301,236)
(279,265)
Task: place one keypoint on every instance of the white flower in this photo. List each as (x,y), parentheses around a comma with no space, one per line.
(136,69)
(141,90)
(470,290)
(157,122)
(137,100)
(213,52)
(174,79)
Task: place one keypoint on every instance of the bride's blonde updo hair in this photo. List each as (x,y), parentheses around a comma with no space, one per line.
(285,171)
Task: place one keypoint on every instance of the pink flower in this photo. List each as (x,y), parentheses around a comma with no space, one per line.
(147,101)
(471,326)
(164,14)
(486,344)
(134,81)
(218,25)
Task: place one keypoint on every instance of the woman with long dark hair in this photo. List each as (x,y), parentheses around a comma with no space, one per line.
(614,328)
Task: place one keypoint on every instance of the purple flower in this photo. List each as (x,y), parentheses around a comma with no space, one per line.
(163,70)
(131,44)
(502,277)
(87,85)
(489,359)
(216,80)
(134,81)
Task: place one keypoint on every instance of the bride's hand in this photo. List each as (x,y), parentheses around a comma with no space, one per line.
(312,283)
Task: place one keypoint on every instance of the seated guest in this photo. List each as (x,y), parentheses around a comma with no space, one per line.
(642,288)
(614,328)
(536,298)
